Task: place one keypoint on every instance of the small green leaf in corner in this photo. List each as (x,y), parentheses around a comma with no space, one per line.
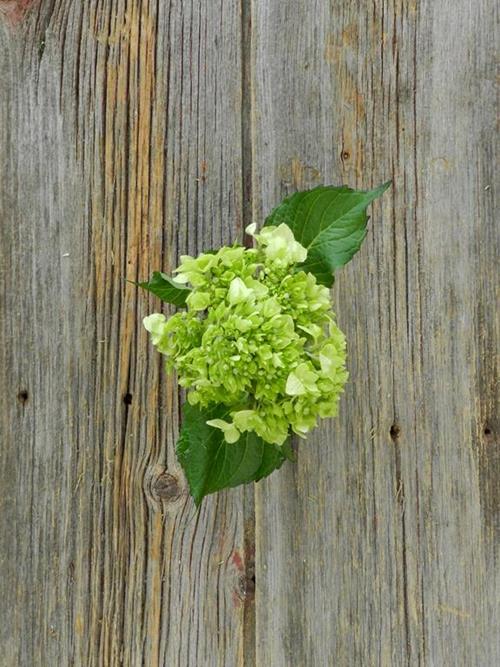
(330,222)
(166,289)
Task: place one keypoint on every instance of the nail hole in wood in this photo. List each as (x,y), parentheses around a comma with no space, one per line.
(250,588)
(395,432)
(22,396)
(487,430)
(127,399)
(346,155)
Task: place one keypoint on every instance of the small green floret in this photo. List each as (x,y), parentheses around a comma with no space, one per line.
(258,336)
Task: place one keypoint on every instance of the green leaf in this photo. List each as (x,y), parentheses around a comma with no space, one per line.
(166,289)
(272,458)
(330,222)
(211,464)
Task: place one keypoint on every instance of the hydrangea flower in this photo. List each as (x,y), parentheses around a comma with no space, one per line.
(258,336)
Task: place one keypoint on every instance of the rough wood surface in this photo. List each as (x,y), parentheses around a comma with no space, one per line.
(132,131)
(120,137)
(380,547)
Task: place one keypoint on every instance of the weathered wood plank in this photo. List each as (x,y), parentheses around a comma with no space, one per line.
(121,143)
(380,547)
(126,140)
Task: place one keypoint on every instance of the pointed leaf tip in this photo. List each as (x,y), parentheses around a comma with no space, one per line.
(330,222)
(166,289)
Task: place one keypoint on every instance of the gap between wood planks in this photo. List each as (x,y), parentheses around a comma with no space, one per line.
(249,527)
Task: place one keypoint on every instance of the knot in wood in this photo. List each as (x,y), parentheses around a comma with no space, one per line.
(166,487)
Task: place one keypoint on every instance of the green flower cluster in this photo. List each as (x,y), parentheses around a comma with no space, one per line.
(258,336)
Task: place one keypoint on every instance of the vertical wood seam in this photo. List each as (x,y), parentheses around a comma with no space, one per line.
(249,529)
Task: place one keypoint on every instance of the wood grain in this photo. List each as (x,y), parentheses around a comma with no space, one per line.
(122,148)
(133,131)
(380,547)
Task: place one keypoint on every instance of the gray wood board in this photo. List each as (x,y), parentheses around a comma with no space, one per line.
(121,145)
(380,547)
(132,132)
